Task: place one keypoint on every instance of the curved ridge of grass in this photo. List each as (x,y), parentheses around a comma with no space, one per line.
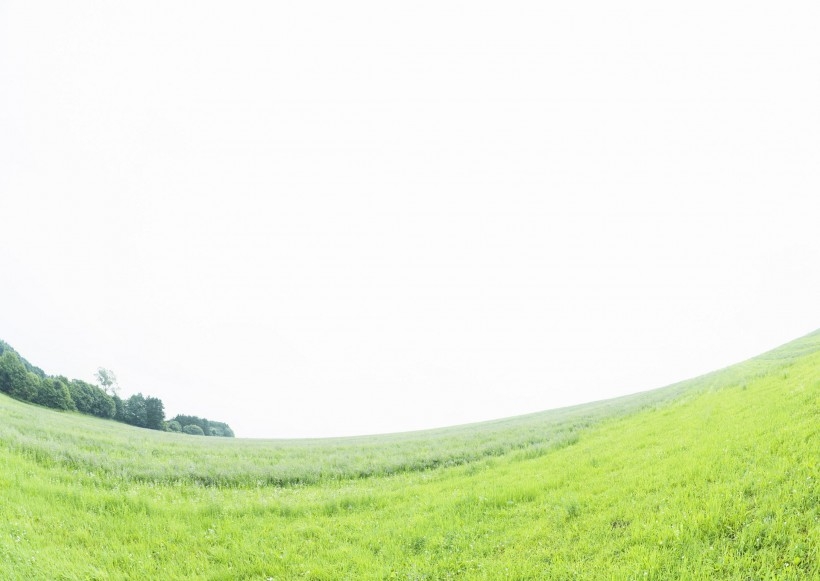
(714,478)
(80,442)
(84,443)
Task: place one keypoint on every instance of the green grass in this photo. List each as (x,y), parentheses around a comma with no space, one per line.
(711,478)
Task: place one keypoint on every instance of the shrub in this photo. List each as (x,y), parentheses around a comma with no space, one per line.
(174,426)
(193,429)
(209,427)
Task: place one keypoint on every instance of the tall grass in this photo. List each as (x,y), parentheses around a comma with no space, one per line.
(78,442)
(715,478)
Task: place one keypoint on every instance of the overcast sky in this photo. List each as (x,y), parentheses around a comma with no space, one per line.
(336,218)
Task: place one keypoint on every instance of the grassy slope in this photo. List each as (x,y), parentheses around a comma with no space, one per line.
(715,478)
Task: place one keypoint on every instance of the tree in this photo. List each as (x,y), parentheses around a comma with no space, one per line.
(15,380)
(12,371)
(107,380)
(81,395)
(53,393)
(21,380)
(29,367)
(119,408)
(154,413)
(91,399)
(135,411)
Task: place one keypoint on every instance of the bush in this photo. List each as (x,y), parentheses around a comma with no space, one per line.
(174,426)
(220,429)
(209,428)
(193,429)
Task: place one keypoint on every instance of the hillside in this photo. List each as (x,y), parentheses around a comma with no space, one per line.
(711,478)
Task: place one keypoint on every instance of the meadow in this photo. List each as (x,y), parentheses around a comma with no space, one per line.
(711,478)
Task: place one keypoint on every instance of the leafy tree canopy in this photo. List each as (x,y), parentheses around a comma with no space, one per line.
(107,380)
(21,380)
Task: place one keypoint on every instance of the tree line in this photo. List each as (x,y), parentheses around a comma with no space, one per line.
(22,380)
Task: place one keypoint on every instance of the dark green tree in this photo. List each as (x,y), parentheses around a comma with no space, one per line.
(29,367)
(90,399)
(135,412)
(53,392)
(119,408)
(154,413)
(15,380)
(12,371)
(81,395)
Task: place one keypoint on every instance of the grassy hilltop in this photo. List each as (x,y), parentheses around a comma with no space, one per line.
(715,477)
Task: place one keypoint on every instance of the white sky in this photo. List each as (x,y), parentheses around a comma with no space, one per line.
(332,218)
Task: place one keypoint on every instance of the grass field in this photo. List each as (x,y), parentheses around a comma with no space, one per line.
(712,478)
